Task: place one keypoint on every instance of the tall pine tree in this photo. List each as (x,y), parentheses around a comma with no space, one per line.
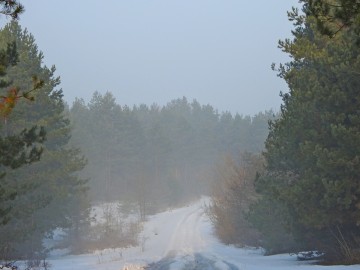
(312,151)
(48,187)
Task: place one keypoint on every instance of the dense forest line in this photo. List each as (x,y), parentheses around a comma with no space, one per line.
(160,155)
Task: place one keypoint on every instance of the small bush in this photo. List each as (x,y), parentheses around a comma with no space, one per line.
(113,229)
(37,264)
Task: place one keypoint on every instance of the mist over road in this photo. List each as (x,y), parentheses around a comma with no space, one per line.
(188,246)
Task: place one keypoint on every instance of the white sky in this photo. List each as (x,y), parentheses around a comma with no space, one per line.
(144,51)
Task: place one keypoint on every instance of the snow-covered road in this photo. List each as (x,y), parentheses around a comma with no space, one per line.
(187,248)
(182,239)
(187,237)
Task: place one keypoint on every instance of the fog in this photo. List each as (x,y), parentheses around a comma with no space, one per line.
(156,95)
(121,120)
(218,52)
(160,155)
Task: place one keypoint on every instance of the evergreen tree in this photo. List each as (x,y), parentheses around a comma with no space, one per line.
(15,150)
(312,151)
(11,8)
(48,186)
(334,16)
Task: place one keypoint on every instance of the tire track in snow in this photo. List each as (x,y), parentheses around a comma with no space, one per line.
(197,262)
(186,238)
(184,251)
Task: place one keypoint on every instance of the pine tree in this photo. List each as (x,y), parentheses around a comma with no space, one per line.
(11,8)
(46,188)
(312,151)
(334,16)
(19,149)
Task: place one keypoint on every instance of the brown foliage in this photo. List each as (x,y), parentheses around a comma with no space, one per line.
(232,193)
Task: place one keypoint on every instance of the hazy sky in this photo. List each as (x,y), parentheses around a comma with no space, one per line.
(143,51)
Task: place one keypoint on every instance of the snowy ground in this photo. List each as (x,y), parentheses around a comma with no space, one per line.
(182,239)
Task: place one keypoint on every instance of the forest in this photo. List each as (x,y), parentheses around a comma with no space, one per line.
(287,181)
(153,157)
(161,153)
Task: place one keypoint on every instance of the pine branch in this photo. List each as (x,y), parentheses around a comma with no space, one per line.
(11,8)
